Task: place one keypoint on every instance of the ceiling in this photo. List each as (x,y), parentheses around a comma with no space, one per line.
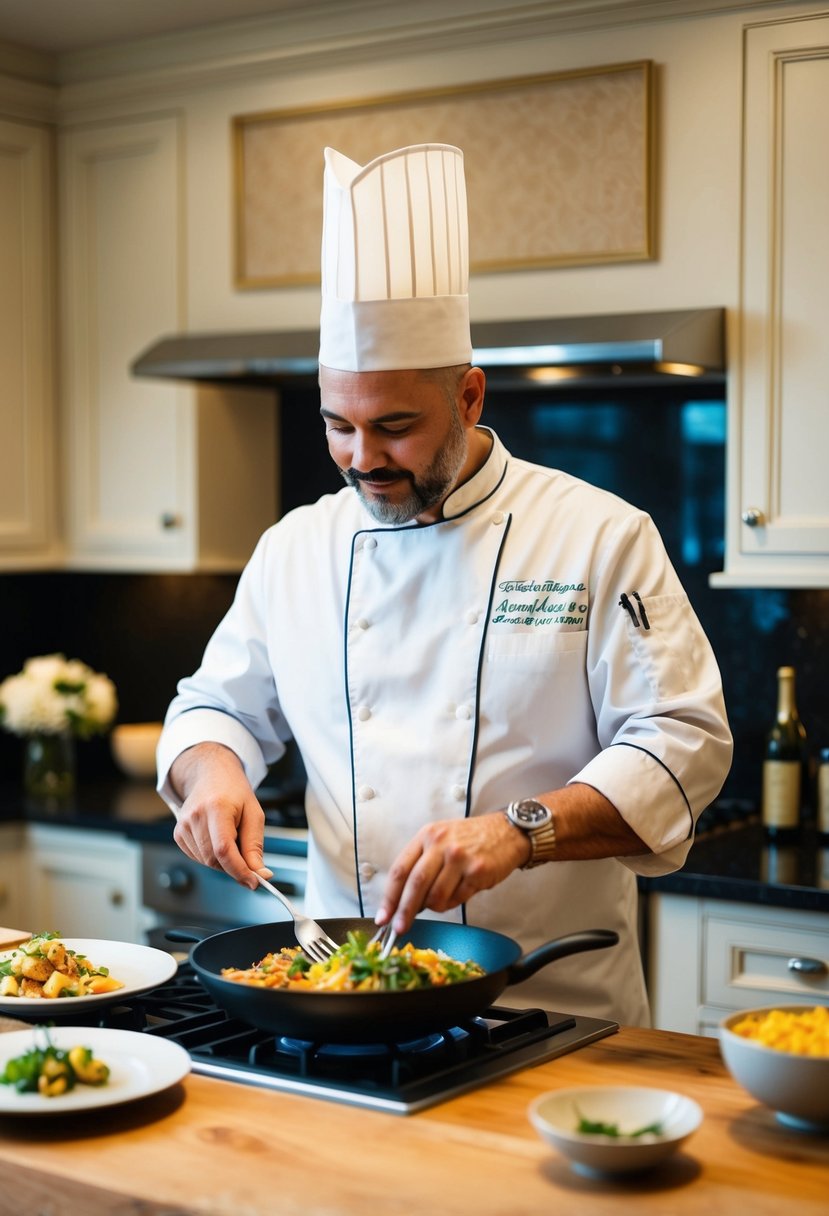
(59,26)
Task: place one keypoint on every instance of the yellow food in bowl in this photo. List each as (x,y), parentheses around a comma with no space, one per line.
(805,1033)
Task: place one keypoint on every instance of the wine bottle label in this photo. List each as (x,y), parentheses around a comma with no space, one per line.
(781,793)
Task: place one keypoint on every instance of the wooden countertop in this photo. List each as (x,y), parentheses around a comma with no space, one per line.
(210,1146)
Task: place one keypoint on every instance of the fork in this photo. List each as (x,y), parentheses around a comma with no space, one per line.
(312,937)
(386,936)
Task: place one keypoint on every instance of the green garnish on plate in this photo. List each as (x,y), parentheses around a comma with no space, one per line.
(595,1127)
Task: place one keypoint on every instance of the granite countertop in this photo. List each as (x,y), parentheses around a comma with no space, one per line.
(130,807)
(736,862)
(730,858)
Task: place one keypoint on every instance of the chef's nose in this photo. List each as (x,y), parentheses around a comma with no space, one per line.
(366,452)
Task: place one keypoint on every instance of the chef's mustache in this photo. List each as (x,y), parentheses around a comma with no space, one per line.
(376,475)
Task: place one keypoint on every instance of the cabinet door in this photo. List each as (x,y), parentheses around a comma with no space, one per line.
(778,511)
(27,500)
(130,446)
(12,878)
(83,884)
(160,476)
(708,958)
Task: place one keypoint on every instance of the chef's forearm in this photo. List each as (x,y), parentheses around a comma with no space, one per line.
(588,825)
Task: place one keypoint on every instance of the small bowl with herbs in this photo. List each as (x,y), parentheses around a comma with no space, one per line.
(614,1129)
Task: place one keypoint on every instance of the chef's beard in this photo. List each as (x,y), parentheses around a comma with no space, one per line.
(426,491)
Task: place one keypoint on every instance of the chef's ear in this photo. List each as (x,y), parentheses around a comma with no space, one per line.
(471,396)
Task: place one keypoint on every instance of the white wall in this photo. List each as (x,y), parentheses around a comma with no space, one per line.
(698,156)
(699,98)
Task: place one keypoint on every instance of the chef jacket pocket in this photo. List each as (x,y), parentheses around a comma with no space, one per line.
(535,651)
(665,644)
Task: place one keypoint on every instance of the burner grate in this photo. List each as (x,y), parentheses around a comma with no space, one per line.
(397,1077)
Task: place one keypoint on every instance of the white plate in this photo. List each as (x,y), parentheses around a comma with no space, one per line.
(138,967)
(140,1065)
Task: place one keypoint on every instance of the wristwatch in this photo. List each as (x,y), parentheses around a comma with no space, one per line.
(536,821)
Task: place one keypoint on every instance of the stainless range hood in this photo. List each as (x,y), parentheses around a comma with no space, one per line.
(646,346)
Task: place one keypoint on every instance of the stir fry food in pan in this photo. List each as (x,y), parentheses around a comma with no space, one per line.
(356,966)
(45,967)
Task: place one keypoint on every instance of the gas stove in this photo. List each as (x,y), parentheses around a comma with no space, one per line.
(398,1077)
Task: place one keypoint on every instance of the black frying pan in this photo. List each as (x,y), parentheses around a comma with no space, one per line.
(368,1017)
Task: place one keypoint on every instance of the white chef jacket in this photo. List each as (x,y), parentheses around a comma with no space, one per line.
(435,671)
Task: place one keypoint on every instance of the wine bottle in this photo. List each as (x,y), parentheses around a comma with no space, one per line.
(783,764)
(823,796)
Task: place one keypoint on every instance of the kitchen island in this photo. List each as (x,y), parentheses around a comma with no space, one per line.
(212,1146)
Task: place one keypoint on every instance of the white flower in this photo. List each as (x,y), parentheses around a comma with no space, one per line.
(101,702)
(53,694)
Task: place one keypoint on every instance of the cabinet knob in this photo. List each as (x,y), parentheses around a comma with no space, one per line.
(808,966)
(170,520)
(116,898)
(753,517)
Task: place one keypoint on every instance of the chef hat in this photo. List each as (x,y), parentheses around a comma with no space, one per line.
(395,263)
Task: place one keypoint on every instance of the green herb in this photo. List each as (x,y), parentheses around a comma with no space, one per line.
(51,1071)
(24,1072)
(396,973)
(594,1127)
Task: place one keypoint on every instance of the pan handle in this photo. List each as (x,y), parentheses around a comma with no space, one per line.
(573,943)
(187,933)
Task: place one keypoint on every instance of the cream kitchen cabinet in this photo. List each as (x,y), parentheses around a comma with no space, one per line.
(160,477)
(777,527)
(12,854)
(710,957)
(82,884)
(28,502)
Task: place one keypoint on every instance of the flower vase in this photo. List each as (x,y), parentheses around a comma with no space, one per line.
(49,766)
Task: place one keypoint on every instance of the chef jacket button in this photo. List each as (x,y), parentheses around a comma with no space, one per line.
(367,870)
(361,623)
(364,713)
(463,712)
(365,793)
(371,543)
(459,793)
(498,517)
(471,617)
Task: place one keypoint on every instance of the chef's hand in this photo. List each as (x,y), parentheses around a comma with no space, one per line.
(220,823)
(447,862)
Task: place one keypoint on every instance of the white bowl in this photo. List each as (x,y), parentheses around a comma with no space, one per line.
(795,1086)
(133,748)
(556,1116)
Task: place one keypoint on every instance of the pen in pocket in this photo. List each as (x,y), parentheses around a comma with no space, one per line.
(625,602)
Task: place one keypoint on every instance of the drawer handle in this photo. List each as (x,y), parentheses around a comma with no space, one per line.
(807,966)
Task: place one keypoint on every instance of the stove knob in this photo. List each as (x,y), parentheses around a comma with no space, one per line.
(176,879)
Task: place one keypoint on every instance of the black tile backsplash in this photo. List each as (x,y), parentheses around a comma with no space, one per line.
(145,631)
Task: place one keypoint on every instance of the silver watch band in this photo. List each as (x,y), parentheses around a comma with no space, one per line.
(542,845)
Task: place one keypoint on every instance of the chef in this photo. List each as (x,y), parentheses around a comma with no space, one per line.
(505,704)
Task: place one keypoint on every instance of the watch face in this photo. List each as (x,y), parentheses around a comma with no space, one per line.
(530,813)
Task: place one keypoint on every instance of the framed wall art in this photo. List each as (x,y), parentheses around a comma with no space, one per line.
(559,170)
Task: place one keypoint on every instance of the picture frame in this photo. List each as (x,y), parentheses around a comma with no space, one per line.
(559,170)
